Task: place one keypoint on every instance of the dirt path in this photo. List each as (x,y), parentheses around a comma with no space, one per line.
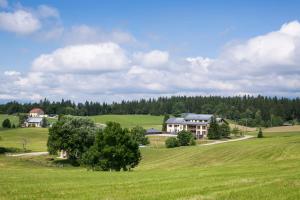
(28,154)
(225,141)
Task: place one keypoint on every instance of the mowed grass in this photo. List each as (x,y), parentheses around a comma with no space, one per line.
(36,138)
(13,119)
(129,121)
(265,168)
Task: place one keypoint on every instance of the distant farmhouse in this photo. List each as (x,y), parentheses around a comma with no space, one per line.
(196,123)
(35,118)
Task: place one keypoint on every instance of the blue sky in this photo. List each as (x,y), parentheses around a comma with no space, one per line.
(151,39)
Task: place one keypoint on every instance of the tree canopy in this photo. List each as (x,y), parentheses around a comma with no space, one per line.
(246,110)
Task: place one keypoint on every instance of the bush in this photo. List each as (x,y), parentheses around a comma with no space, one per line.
(236,131)
(186,138)
(172,142)
(138,133)
(44,122)
(6,123)
(260,134)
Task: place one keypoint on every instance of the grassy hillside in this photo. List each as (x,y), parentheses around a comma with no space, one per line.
(13,119)
(129,121)
(265,168)
(36,138)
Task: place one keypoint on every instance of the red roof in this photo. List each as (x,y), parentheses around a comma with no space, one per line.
(37,110)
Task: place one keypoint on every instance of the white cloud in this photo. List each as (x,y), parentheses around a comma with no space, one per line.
(20,22)
(3,3)
(45,11)
(85,58)
(155,58)
(267,64)
(82,34)
(12,73)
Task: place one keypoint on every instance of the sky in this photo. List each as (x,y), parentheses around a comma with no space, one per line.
(122,50)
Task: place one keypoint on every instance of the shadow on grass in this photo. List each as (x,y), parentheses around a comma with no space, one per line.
(4,150)
(66,163)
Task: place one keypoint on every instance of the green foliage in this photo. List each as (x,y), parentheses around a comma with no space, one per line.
(22,118)
(185,138)
(113,149)
(13,126)
(236,131)
(71,134)
(260,134)
(44,122)
(225,130)
(164,125)
(214,130)
(172,142)
(6,123)
(138,134)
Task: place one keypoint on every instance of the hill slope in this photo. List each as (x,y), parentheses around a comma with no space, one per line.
(265,168)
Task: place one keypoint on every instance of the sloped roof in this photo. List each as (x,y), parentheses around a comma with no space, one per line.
(192,116)
(34,119)
(174,120)
(37,110)
(153,130)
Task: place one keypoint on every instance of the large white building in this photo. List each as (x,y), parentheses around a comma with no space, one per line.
(35,118)
(196,123)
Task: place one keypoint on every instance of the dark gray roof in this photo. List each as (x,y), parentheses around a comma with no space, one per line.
(192,116)
(153,130)
(174,120)
(195,123)
(34,119)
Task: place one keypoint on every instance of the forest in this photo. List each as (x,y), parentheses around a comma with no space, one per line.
(245,110)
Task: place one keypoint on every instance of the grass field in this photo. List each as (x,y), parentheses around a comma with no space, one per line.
(13,119)
(265,168)
(129,121)
(36,138)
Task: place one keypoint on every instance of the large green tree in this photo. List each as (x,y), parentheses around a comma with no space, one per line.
(164,125)
(113,149)
(71,134)
(214,129)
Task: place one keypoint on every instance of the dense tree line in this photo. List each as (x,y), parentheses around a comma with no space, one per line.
(246,110)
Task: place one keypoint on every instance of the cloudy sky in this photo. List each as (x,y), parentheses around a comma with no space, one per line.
(114,50)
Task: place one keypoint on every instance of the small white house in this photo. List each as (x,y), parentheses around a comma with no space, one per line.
(34,122)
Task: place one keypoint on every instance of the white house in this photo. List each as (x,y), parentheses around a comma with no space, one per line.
(196,123)
(35,118)
(34,122)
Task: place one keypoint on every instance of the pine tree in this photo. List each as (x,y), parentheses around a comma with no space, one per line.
(260,134)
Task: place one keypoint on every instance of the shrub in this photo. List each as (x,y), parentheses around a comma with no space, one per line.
(225,130)
(138,134)
(172,142)
(44,122)
(6,123)
(260,134)
(236,131)
(185,138)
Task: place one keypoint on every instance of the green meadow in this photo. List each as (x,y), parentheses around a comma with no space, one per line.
(129,121)
(265,168)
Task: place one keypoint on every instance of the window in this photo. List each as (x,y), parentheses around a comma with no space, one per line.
(198,127)
(170,125)
(204,132)
(204,127)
